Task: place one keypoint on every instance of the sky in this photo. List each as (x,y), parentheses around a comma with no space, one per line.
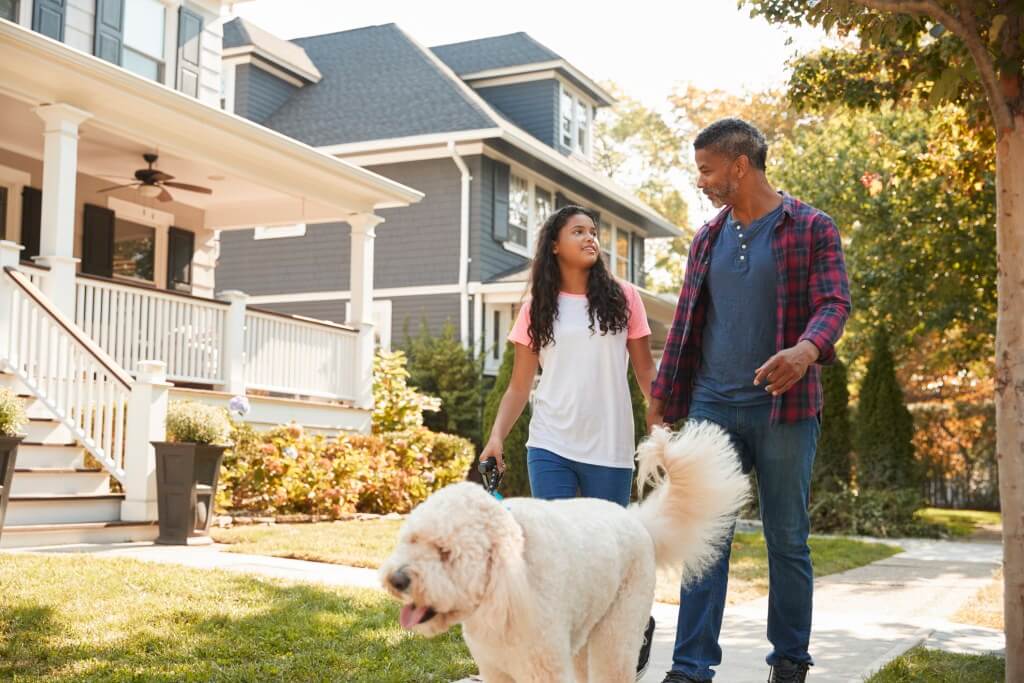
(645,46)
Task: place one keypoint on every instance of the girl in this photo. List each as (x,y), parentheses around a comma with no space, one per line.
(579,325)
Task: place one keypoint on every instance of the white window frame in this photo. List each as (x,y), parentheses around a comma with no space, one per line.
(578,100)
(505,312)
(533,221)
(161,222)
(276,232)
(169,37)
(14,180)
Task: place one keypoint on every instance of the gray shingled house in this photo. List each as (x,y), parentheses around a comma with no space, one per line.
(496,132)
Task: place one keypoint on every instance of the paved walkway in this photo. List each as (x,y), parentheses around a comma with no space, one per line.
(863,617)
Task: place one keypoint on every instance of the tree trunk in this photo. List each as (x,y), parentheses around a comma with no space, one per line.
(1010,383)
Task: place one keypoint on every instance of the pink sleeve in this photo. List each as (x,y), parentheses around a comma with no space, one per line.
(519,333)
(638,326)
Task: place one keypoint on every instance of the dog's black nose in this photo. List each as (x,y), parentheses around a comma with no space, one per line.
(399,580)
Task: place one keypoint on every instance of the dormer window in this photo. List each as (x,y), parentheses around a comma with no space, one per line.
(574,120)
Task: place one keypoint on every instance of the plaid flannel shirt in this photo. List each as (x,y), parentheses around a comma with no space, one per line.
(813,303)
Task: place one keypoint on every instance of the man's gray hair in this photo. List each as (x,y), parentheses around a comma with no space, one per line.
(735,137)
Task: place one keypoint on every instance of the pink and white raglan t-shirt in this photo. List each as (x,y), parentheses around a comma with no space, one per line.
(581,408)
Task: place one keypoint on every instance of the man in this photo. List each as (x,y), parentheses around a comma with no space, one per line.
(764,300)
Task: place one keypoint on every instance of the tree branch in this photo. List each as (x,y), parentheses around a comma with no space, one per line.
(966,28)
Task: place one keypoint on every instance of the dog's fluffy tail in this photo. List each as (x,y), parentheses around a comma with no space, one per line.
(698,491)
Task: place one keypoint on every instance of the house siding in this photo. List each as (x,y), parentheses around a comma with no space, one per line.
(532,106)
(80,24)
(211,43)
(415,246)
(259,94)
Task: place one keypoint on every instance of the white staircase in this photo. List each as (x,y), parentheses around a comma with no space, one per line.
(57,497)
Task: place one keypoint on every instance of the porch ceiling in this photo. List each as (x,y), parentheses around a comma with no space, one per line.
(257,176)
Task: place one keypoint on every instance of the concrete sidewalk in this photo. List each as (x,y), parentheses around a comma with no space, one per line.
(862,618)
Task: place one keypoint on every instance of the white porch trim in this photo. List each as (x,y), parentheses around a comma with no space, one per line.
(345,295)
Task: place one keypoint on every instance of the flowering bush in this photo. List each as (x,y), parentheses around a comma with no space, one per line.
(192,422)
(396,405)
(285,471)
(12,413)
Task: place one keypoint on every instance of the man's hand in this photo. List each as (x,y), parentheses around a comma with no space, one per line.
(786,368)
(655,415)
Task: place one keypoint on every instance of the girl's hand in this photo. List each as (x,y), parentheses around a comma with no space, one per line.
(494,449)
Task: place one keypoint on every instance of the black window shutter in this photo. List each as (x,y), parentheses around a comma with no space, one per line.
(31,220)
(109,30)
(48,18)
(3,213)
(98,241)
(500,205)
(190,28)
(180,247)
(560,201)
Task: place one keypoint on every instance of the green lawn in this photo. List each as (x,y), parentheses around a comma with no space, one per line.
(367,543)
(961,523)
(78,618)
(933,666)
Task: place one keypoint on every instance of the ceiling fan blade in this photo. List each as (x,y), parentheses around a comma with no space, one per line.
(164,195)
(119,187)
(160,176)
(190,188)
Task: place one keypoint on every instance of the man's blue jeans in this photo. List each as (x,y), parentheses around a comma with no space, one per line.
(782,456)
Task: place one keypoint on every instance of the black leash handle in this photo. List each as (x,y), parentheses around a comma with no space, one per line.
(490,474)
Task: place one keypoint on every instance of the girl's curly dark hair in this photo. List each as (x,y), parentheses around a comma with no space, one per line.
(606,302)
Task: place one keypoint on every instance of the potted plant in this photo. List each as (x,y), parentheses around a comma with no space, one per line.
(12,419)
(187,470)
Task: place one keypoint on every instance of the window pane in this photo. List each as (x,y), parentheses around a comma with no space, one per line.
(543,206)
(566,119)
(518,209)
(9,10)
(143,66)
(582,126)
(134,247)
(622,255)
(638,260)
(144,27)
(604,237)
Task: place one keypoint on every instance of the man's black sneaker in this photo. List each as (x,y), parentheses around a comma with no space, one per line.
(645,650)
(787,671)
(676,677)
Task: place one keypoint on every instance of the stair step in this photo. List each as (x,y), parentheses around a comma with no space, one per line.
(47,430)
(59,480)
(33,454)
(63,509)
(31,535)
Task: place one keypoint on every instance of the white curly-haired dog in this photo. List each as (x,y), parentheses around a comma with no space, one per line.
(560,591)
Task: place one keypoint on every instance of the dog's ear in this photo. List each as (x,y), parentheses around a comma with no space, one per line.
(506,606)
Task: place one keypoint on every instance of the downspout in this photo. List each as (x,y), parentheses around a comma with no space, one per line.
(463,247)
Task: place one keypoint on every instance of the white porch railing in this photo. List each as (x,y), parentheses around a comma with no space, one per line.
(308,357)
(36,274)
(134,324)
(80,384)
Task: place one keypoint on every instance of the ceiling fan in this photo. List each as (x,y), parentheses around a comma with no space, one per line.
(153,183)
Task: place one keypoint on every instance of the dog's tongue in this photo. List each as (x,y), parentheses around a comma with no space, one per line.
(411,615)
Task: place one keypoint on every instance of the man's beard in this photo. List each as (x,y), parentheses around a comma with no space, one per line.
(719,196)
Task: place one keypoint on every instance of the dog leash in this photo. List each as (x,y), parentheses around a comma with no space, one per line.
(491,476)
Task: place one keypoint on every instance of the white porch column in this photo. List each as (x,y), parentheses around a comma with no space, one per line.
(57,229)
(233,348)
(9,256)
(361,308)
(147,412)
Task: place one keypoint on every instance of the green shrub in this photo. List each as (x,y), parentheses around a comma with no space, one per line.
(885,428)
(396,405)
(12,413)
(832,462)
(441,367)
(285,471)
(194,422)
(880,513)
(516,481)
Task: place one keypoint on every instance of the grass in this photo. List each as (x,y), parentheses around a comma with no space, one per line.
(963,523)
(367,543)
(985,608)
(78,618)
(933,666)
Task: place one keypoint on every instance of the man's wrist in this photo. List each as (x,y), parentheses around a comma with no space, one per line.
(810,350)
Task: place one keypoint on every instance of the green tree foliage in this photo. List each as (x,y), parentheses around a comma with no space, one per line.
(832,464)
(440,366)
(516,481)
(396,405)
(885,428)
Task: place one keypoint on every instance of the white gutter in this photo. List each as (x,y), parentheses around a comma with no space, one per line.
(463,246)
